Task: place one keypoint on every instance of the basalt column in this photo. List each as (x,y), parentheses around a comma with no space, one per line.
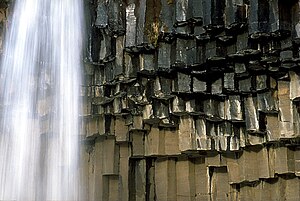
(191,100)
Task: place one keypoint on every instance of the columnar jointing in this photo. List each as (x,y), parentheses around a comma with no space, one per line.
(193,100)
(189,100)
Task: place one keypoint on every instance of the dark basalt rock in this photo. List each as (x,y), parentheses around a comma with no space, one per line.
(217,77)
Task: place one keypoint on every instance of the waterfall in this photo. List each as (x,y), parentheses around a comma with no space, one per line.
(39,93)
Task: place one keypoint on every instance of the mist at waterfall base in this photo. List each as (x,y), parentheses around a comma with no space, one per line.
(39,93)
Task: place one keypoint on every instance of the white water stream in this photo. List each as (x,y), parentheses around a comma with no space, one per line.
(39,94)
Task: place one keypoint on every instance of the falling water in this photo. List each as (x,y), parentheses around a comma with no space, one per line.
(39,84)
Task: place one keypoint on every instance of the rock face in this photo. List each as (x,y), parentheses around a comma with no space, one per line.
(191,100)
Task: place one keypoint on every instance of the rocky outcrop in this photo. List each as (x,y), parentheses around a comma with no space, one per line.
(193,100)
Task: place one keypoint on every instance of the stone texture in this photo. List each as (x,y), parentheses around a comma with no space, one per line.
(200,100)
(189,104)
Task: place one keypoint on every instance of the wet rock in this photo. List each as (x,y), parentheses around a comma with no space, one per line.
(131,25)
(182,83)
(229,84)
(207,11)
(198,85)
(216,87)
(259,14)
(164,56)
(245,85)
(233,108)
(191,89)
(102,17)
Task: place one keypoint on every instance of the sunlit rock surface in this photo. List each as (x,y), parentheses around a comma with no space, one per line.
(191,100)
(196,100)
